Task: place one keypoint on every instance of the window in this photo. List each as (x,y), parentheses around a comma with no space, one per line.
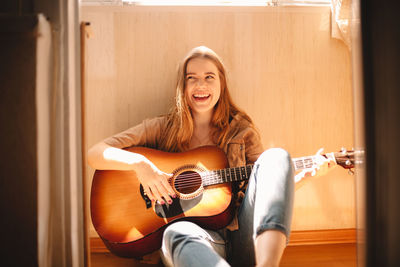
(209,2)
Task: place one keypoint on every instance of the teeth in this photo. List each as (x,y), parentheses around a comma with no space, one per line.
(201,95)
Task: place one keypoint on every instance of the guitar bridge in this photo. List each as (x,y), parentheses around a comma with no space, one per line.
(146,199)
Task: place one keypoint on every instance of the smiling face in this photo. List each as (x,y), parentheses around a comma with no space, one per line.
(203,86)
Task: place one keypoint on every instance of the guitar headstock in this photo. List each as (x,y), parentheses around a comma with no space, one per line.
(348,158)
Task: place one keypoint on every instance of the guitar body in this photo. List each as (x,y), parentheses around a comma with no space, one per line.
(131,225)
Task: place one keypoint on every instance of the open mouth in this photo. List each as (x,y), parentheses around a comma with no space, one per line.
(201,97)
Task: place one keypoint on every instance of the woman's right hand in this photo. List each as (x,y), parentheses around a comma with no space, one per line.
(155,182)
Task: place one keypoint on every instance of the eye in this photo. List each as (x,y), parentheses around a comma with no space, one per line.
(208,77)
(189,77)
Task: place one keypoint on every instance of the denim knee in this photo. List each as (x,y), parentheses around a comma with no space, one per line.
(173,234)
(182,238)
(274,178)
(177,231)
(274,156)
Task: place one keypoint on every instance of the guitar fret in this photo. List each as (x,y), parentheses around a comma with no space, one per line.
(299,164)
(303,163)
(226,175)
(211,177)
(218,176)
(249,169)
(308,162)
(243,173)
(237,173)
(215,176)
(223,175)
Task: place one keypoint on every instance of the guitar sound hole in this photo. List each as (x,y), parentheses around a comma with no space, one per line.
(187,182)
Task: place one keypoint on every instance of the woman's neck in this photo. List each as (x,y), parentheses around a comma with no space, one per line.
(202,120)
(202,130)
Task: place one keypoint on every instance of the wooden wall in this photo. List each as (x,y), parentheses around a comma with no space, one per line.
(284,69)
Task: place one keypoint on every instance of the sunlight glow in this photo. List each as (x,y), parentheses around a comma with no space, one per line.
(112,153)
(227,2)
(198,2)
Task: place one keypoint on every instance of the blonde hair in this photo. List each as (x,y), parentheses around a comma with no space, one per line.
(180,121)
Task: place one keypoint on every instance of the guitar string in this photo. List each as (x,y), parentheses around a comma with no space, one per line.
(213,174)
(228,170)
(195,178)
(231,174)
(299,163)
(180,185)
(210,177)
(206,177)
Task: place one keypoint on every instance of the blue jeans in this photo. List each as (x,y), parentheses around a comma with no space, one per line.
(267,205)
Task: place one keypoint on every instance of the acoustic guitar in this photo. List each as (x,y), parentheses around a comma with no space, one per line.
(131,225)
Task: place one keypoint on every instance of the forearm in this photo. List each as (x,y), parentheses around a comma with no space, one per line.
(105,157)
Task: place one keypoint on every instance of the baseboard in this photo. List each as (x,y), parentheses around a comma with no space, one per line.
(323,237)
(297,238)
(97,245)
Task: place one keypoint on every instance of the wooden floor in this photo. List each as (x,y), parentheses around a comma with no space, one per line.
(332,255)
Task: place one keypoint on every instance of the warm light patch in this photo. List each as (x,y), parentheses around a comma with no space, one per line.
(120,155)
(227,2)
(197,2)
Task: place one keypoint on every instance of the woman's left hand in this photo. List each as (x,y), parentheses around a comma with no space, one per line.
(321,167)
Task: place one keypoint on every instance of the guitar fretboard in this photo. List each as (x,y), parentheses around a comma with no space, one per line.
(303,163)
(227,175)
(235,174)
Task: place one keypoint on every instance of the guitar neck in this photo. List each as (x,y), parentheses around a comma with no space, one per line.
(310,161)
(242,173)
(227,175)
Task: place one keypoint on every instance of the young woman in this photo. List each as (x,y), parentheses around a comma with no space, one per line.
(204,114)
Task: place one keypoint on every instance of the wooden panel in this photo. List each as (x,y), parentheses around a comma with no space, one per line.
(306,248)
(297,238)
(284,69)
(330,255)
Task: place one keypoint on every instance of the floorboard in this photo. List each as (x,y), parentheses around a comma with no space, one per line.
(331,255)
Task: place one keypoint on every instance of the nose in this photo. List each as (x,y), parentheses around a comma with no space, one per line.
(200,82)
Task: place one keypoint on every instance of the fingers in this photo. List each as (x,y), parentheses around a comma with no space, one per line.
(321,165)
(320,151)
(160,190)
(320,159)
(168,188)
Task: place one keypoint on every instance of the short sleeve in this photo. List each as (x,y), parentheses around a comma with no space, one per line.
(147,133)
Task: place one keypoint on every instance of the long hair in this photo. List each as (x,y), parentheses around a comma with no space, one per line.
(180,121)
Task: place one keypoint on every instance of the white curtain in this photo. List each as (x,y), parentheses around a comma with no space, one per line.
(341,17)
(61,228)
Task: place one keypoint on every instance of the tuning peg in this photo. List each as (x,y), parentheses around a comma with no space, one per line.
(351,172)
(348,162)
(343,150)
